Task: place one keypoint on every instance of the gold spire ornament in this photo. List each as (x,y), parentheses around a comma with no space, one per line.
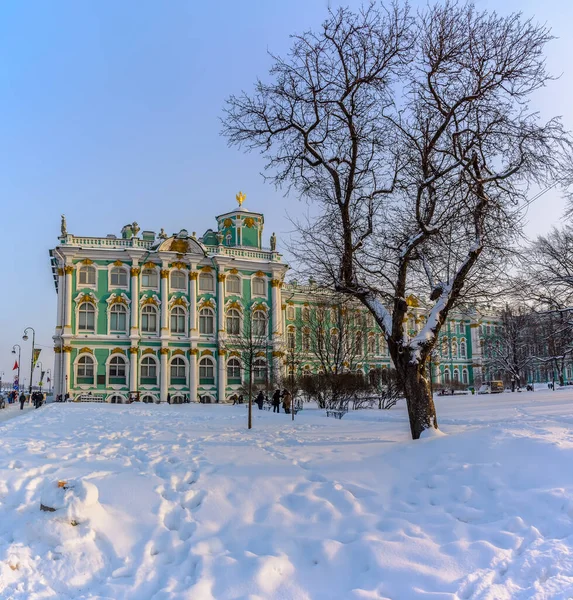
(240,197)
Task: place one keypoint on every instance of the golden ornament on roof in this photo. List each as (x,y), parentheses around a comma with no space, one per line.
(240,197)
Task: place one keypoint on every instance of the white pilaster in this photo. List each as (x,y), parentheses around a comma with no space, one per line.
(66,357)
(222,375)
(68,270)
(163,375)
(133,369)
(221,303)
(135,270)
(193,303)
(193,375)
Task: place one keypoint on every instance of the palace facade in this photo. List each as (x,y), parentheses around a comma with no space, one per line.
(153,314)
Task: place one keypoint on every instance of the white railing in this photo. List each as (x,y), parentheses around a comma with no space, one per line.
(95,242)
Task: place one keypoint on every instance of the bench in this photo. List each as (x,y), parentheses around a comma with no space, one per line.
(337,414)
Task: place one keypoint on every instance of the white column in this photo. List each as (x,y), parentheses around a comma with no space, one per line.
(163,375)
(221,302)
(193,302)
(68,270)
(276,306)
(57,367)
(222,375)
(135,270)
(193,375)
(133,364)
(164,301)
(60,314)
(67,355)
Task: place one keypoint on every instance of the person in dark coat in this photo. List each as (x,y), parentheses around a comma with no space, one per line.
(260,400)
(168,398)
(277,401)
(241,399)
(22,400)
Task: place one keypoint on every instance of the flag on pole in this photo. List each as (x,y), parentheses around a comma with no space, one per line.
(15,365)
(36,355)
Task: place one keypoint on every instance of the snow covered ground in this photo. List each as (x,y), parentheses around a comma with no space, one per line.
(182,502)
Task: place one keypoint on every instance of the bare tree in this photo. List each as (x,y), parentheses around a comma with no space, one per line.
(249,344)
(414,137)
(508,349)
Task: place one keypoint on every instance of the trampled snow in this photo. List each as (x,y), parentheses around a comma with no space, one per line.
(182,502)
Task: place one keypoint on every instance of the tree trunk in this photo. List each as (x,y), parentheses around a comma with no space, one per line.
(250,418)
(421,409)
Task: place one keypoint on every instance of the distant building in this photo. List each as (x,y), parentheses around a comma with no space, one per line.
(153,315)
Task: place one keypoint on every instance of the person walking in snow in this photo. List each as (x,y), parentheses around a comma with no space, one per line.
(22,400)
(287,401)
(277,401)
(260,400)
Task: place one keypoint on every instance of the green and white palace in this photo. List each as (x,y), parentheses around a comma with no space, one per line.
(152,314)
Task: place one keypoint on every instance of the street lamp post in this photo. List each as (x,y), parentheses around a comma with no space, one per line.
(14,352)
(40,366)
(49,376)
(25,338)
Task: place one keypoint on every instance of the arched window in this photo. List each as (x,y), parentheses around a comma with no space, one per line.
(446,376)
(463,348)
(334,341)
(177,371)
(454,348)
(456,376)
(369,320)
(149,319)
(178,320)
(117,369)
(118,318)
(333,315)
(260,370)
(148,399)
(465,378)
(258,286)
(178,280)
(233,322)
(87,276)
(359,343)
(234,370)
(306,339)
(149,278)
(206,282)
(290,313)
(86,317)
(371,344)
(259,321)
(85,370)
(306,372)
(444,351)
(148,371)
(233,284)
(291,338)
(118,277)
(206,371)
(206,321)
(305,313)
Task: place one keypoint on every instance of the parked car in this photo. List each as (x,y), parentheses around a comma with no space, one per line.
(491,387)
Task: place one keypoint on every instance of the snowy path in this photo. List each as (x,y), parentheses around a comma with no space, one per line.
(194,506)
(13,410)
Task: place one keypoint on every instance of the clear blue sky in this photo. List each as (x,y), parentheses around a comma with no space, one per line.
(109,113)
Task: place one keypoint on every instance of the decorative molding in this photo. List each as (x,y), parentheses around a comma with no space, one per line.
(67,349)
(205,269)
(133,350)
(148,351)
(118,351)
(283,306)
(278,354)
(118,263)
(193,275)
(163,351)
(118,299)
(86,297)
(206,353)
(228,222)
(221,277)
(134,271)
(68,269)
(57,349)
(87,261)
(276,283)
(234,271)
(222,351)
(178,352)
(85,350)
(260,306)
(179,301)
(206,303)
(60,272)
(249,222)
(235,353)
(193,351)
(260,274)
(150,265)
(260,354)
(153,299)
(164,273)
(234,304)
(179,265)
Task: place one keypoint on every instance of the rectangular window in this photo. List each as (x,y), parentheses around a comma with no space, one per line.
(86,321)
(118,321)
(149,278)
(149,323)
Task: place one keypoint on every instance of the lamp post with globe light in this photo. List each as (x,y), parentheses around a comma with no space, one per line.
(25,338)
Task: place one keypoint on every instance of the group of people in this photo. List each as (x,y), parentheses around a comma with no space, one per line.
(278,399)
